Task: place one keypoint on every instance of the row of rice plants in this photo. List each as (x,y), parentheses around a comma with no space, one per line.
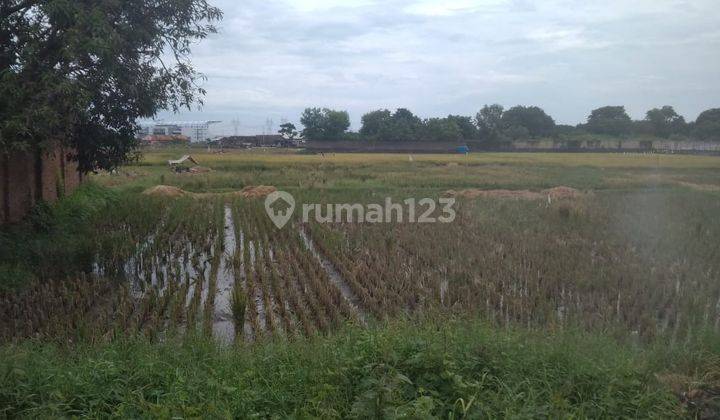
(538,264)
(291,291)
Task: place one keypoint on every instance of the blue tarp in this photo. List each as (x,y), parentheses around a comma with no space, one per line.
(462,149)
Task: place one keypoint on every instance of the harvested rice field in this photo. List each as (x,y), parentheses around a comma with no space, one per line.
(554,251)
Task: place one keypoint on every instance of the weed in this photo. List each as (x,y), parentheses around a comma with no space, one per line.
(238,304)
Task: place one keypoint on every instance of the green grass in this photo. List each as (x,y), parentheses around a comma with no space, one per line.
(450,369)
(54,241)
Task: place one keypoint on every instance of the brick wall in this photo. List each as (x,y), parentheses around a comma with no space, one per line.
(4,185)
(73,178)
(20,185)
(27,177)
(50,175)
(385,147)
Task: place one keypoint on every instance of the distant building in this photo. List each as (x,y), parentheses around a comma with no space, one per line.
(195,131)
(167,130)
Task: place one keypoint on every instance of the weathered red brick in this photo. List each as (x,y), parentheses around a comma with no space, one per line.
(4,188)
(50,174)
(72,176)
(21,184)
(19,180)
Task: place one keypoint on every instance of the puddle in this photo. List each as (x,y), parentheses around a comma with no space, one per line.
(240,276)
(223,325)
(206,268)
(187,270)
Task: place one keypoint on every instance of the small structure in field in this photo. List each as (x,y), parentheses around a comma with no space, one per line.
(183,164)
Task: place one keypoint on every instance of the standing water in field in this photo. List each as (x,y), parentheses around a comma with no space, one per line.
(223,326)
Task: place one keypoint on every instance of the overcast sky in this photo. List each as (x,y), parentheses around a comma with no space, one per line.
(273,58)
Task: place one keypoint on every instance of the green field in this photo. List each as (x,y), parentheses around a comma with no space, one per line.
(601,303)
(363,173)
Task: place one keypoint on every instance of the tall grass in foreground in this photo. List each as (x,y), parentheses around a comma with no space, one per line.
(452,369)
(52,242)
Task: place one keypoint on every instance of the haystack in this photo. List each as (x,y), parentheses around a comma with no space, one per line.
(164,191)
(554,193)
(256,191)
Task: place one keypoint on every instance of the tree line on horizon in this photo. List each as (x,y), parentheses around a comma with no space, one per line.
(495,124)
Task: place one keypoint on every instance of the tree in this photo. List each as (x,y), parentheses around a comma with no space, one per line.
(466,126)
(664,121)
(82,72)
(337,123)
(374,124)
(610,120)
(312,120)
(382,125)
(570,130)
(406,125)
(403,125)
(442,130)
(324,124)
(534,119)
(489,121)
(707,125)
(516,132)
(288,131)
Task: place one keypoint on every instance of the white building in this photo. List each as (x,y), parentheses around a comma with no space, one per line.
(195,130)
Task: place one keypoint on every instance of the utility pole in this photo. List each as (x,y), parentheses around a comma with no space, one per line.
(268,127)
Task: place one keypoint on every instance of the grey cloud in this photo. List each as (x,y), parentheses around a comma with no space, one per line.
(272,58)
